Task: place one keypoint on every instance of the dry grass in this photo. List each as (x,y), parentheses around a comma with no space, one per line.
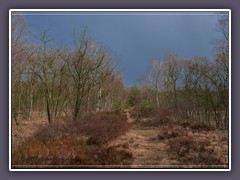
(27,128)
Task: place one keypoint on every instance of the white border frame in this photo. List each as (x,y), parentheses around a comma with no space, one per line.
(119,10)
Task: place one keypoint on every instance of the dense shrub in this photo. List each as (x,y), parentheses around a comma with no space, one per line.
(144,110)
(170,132)
(161,113)
(114,156)
(53,131)
(61,151)
(99,127)
(102,126)
(190,151)
(197,126)
(76,143)
(202,127)
(68,151)
(157,118)
(134,113)
(154,122)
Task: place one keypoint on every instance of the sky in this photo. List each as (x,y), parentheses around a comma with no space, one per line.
(136,37)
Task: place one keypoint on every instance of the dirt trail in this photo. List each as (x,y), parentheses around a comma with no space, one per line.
(127,114)
(147,150)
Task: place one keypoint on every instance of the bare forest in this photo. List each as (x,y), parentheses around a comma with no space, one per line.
(70,107)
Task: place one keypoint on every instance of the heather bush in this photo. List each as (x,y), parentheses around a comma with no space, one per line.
(202,127)
(162,113)
(68,151)
(154,122)
(61,151)
(197,126)
(170,132)
(134,113)
(52,131)
(190,151)
(103,126)
(114,155)
(76,143)
(99,127)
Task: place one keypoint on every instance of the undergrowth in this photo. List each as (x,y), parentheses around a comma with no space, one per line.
(190,151)
(77,143)
(170,132)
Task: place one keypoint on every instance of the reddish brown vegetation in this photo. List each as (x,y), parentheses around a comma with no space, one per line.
(102,127)
(154,122)
(114,156)
(189,150)
(194,144)
(157,118)
(162,113)
(198,126)
(68,151)
(170,132)
(62,151)
(134,113)
(94,140)
(99,127)
(78,143)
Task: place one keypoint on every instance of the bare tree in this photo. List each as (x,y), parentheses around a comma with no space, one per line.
(172,75)
(19,55)
(49,67)
(155,78)
(88,65)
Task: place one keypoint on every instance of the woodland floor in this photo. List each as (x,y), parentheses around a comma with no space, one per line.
(143,142)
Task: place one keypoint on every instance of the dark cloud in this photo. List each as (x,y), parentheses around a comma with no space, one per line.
(137,38)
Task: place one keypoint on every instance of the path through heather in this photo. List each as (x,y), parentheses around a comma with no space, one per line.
(147,150)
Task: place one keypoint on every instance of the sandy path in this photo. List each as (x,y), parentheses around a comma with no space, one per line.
(146,148)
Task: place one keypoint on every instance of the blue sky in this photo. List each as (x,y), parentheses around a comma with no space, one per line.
(136,38)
